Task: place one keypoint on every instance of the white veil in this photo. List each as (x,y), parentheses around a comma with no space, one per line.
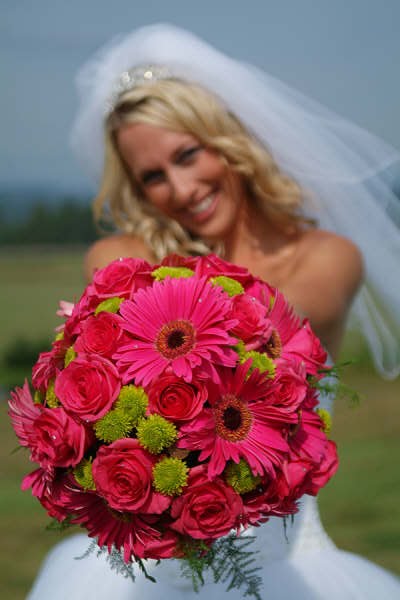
(347,172)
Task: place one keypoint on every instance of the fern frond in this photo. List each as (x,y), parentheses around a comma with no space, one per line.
(229,561)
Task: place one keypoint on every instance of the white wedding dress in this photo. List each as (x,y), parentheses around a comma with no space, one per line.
(303,565)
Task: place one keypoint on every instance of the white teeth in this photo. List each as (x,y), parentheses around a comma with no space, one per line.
(201,206)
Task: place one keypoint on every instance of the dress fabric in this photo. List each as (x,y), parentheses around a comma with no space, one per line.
(303,564)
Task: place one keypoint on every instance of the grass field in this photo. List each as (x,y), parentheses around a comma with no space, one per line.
(360,507)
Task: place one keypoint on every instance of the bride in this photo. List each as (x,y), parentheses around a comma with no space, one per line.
(203,153)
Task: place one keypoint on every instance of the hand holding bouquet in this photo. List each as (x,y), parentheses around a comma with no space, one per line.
(176,405)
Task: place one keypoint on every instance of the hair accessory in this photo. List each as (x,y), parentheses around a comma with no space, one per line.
(347,173)
(135,76)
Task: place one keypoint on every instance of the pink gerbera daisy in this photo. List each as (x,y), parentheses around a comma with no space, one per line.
(285,324)
(176,323)
(23,413)
(237,426)
(136,536)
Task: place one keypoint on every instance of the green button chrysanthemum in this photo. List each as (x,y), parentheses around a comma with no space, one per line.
(240,477)
(260,360)
(132,401)
(174,272)
(84,476)
(110,305)
(70,355)
(240,349)
(38,397)
(114,425)
(231,286)
(51,398)
(156,433)
(170,476)
(326,419)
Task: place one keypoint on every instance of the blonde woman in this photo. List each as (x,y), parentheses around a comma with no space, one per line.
(201,154)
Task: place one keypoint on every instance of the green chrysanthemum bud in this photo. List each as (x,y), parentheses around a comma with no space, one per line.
(51,398)
(241,350)
(261,361)
(170,476)
(231,286)
(240,477)
(38,397)
(84,476)
(174,272)
(326,419)
(70,355)
(110,305)
(156,433)
(132,401)
(114,425)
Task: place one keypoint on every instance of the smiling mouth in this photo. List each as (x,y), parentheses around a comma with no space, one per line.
(203,205)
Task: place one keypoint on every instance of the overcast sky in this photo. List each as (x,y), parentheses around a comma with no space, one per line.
(345,53)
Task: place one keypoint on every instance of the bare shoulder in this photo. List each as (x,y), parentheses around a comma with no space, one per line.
(110,248)
(328,274)
(332,257)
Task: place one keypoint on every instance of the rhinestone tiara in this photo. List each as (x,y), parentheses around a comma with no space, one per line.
(133,77)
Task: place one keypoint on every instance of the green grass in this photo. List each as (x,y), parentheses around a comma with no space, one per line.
(360,507)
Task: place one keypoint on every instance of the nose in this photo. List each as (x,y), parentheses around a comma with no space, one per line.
(182,186)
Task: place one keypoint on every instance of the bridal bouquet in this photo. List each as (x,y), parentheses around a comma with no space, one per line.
(177,405)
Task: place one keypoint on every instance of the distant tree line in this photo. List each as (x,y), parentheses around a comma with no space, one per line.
(66,222)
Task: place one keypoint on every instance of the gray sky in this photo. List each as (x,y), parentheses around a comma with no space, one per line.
(344,53)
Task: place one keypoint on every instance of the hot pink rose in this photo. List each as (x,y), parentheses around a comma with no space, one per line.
(100,335)
(311,400)
(270,498)
(210,265)
(306,347)
(260,290)
(156,540)
(57,439)
(122,473)
(307,440)
(213,265)
(326,469)
(176,260)
(48,365)
(121,278)
(288,389)
(81,311)
(206,509)
(175,399)
(88,387)
(253,327)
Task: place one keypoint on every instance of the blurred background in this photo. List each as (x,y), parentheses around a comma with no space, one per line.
(344,53)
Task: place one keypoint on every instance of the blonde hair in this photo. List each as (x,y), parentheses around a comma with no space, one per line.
(188,108)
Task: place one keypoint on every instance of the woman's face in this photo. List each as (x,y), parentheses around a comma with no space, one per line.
(183,179)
